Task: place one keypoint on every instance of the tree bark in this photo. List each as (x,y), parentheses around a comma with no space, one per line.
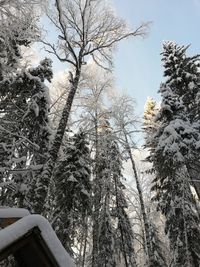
(85,242)
(44,179)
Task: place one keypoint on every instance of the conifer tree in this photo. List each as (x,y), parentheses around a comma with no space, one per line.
(19,87)
(105,254)
(72,190)
(149,123)
(25,103)
(183,76)
(124,231)
(15,31)
(176,144)
(118,236)
(159,259)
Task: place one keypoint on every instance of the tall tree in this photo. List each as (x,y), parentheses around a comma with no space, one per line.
(86,29)
(25,105)
(183,75)
(176,144)
(124,120)
(114,232)
(94,87)
(159,257)
(124,231)
(72,202)
(23,98)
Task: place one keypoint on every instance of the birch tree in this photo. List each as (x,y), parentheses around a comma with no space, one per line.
(125,122)
(97,83)
(86,29)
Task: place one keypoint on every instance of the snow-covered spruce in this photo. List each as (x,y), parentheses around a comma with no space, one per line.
(24,133)
(72,191)
(176,148)
(111,223)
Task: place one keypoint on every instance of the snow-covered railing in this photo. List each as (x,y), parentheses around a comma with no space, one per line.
(13,212)
(20,228)
(10,215)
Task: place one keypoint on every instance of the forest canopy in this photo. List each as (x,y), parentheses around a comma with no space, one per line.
(68,143)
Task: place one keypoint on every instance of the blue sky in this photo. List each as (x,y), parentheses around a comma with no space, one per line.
(138,68)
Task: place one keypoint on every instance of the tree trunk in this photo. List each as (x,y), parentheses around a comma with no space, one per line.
(44,179)
(194,172)
(85,242)
(96,193)
(142,205)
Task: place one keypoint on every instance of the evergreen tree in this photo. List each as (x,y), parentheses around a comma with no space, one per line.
(106,242)
(183,75)
(118,236)
(72,190)
(124,228)
(105,230)
(176,144)
(15,31)
(23,102)
(159,259)
(149,123)
(124,231)
(25,105)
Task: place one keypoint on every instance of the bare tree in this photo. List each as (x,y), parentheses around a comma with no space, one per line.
(87,28)
(124,119)
(18,26)
(97,82)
